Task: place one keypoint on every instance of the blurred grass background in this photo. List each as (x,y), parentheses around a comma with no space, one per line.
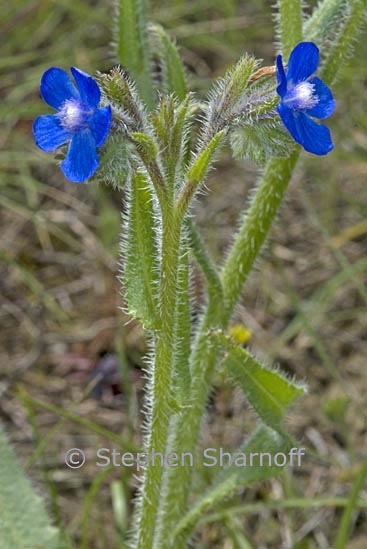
(59,243)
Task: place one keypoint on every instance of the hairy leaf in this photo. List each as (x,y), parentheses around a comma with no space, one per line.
(140,269)
(173,73)
(260,140)
(227,93)
(172,123)
(23,518)
(268,391)
(116,161)
(201,164)
(146,145)
(119,90)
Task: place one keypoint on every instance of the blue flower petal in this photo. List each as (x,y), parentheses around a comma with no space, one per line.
(303,62)
(56,87)
(82,160)
(87,86)
(100,124)
(48,132)
(281,77)
(314,138)
(326,105)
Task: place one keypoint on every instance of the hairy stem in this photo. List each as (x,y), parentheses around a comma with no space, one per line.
(197,247)
(255,228)
(159,395)
(289,24)
(355,20)
(240,261)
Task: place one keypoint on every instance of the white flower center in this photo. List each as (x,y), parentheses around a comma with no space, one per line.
(302,96)
(74,115)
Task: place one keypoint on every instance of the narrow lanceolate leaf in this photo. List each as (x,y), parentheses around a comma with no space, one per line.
(23,518)
(197,172)
(201,164)
(173,73)
(253,462)
(140,268)
(120,91)
(172,122)
(132,45)
(268,391)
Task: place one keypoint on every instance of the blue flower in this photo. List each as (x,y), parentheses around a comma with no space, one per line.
(78,120)
(302,97)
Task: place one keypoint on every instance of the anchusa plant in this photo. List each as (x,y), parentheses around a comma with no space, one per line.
(160,147)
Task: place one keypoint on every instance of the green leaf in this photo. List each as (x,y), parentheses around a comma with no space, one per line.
(173,72)
(172,122)
(227,93)
(263,441)
(141,269)
(201,164)
(146,145)
(119,90)
(268,391)
(259,140)
(116,162)
(23,519)
(132,50)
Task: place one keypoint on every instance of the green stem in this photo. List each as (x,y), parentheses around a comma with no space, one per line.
(290,24)
(326,18)
(255,228)
(343,534)
(200,253)
(174,501)
(160,391)
(132,48)
(245,250)
(181,370)
(340,49)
